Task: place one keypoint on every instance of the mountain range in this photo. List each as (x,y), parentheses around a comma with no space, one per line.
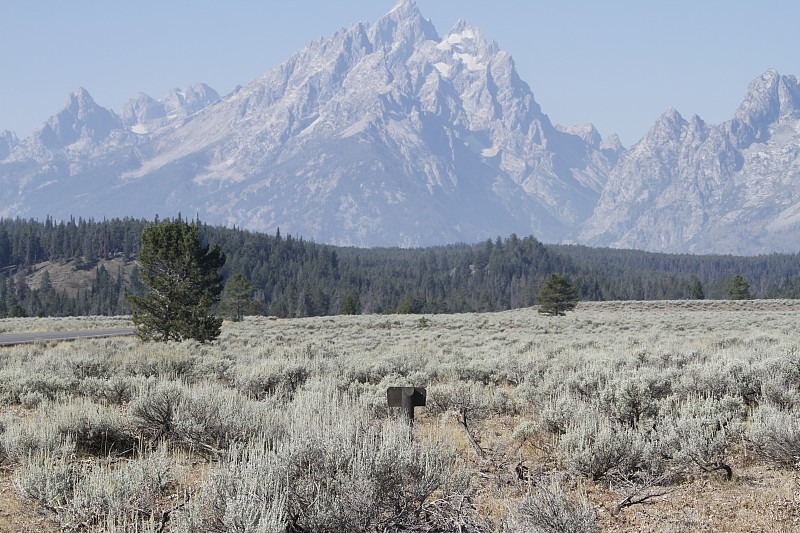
(391,135)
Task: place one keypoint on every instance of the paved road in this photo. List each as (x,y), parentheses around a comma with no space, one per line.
(24,338)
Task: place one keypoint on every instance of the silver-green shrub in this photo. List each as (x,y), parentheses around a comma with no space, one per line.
(211,418)
(630,400)
(63,428)
(596,447)
(114,390)
(335,469)
(269,377)
(247,493)
(562,410)
(152,413)
(778,391)
(781,383)
(23,439)
(187,361)
(548,509)
(85,496)
(774,434)
(718,377)
(469,400)
(701,431)
(85,365)
(43,382)
(95,428)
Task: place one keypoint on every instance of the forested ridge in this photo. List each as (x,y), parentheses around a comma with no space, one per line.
(293,277)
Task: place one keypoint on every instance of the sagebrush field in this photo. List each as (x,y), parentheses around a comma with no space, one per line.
(639,416)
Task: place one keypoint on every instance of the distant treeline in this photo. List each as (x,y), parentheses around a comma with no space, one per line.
(293,277)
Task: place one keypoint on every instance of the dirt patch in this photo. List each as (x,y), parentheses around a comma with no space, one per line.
(74,277)
(756,499)
(18,514)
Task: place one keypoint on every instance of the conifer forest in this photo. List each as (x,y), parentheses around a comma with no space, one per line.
(293,277)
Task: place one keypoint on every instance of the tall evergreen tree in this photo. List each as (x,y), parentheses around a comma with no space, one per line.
(697,290)
(3,295)
(236,297)
(740,289)
(556,296)
(351,305)
(182,282)
(5,248)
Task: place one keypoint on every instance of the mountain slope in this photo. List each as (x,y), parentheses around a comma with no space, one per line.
(390,135)
(693,187)
(377,135)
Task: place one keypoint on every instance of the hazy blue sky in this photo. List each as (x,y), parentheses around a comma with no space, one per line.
(617,64)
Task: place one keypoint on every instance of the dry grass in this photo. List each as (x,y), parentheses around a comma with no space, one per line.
(757,499)
(17,514)
(74,276)
(67,323)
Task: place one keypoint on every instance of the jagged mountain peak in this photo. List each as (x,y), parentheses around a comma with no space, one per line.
(404,10)
(80,119)
(403,24)
(140,110)
(671,116)
(144,114)
(80,96)
(668,128)
(466,37)
(771,92)
(80,104)
(695,126)
(689,186)
(587,132)
(190,99)
(461,26)
(466,32)
(612,142)
(386,134)
(769,98)
(382,134)
(330,71)
(8,141)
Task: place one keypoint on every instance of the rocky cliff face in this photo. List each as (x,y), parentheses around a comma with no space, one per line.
(142,114)
(377,135)
(390,135)
(8,141)
(693,187)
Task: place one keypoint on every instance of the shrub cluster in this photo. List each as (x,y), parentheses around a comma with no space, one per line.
(283,425)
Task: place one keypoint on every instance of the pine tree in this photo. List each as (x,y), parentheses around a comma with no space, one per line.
(237,297)
(740,289)
(351,305)
(182,282)
(5,248)
(556,296)
(3,293)
(697,290)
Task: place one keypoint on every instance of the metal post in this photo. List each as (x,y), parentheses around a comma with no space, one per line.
(406,398)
